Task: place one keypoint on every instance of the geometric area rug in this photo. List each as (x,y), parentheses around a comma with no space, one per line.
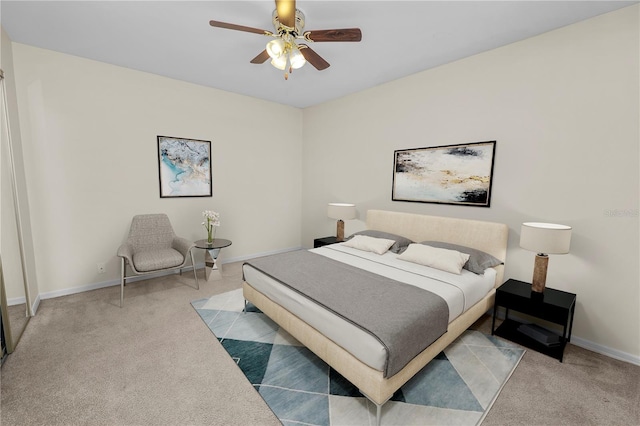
(457,387)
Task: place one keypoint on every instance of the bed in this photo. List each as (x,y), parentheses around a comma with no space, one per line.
(332,338)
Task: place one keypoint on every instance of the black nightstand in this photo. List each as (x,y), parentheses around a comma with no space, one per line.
(555,306)
(319,242)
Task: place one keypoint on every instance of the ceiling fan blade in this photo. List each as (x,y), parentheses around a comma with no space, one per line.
(228,26)
(286,12)
(313,58)
(261,58)
(345,34)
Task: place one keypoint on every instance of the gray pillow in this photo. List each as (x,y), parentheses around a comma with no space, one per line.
(478,260)
(400,245)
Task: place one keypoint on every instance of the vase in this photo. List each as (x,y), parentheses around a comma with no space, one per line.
(210,235)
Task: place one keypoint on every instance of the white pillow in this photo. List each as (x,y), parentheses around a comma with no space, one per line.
(443,259)
(365,243)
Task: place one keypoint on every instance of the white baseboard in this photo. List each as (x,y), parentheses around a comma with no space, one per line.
(583,343)
(16,301)
(20,300)
(604,350)
(110,283)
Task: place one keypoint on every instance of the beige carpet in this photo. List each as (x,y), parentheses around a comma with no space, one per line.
(83,360)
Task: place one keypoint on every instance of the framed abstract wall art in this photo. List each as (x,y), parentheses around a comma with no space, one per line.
(452,174)
(184,167)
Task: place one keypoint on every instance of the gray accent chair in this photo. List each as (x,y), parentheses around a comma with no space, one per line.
(153,247)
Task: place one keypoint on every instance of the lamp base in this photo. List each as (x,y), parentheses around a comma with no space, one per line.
(540,273)
(340,231)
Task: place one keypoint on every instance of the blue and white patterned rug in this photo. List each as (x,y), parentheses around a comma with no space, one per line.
(456,388)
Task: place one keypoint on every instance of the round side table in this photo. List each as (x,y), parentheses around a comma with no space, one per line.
(212,250)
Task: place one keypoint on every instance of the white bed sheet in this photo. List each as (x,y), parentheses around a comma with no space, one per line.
(459,291)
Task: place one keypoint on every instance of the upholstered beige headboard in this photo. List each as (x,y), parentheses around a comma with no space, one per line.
(489,237)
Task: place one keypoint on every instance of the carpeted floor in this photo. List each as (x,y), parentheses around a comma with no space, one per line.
(83,360)
(456,388)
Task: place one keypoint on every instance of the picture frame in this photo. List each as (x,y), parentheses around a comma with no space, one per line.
(449,174)
(184,167)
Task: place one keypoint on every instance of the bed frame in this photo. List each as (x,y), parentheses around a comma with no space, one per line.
(489,237)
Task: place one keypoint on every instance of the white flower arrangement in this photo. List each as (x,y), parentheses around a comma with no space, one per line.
(212,219)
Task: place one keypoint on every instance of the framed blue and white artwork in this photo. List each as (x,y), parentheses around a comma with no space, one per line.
(184,167)
(452,174)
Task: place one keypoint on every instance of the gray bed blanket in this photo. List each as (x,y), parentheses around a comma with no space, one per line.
(405,319)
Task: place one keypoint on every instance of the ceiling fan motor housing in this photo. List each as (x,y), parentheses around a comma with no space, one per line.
(299,22)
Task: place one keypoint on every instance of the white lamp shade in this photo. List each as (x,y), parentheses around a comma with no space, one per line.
(546,238)
(341,211)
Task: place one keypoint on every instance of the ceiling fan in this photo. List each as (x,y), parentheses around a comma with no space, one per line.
(284,50)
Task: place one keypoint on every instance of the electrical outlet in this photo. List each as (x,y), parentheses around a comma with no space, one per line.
(101,268)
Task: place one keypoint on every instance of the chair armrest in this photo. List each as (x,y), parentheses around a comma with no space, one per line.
(182,245)
(126,251)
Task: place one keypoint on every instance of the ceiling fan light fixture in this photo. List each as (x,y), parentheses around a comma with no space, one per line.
(276,48)
(289,23)
(296,58)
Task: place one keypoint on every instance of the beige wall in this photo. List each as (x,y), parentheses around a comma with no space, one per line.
(89,136)
(563,108)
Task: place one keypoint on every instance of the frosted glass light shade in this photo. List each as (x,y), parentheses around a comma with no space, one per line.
(547,238)
(341,211)
(280,62)
(275,48)
(296,58)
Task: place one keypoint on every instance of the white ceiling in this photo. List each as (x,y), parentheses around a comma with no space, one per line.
(174,38)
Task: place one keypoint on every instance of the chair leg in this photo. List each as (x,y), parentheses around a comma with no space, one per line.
(193,264)
(122,283)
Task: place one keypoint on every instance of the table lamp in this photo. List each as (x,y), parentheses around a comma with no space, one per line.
(341,212)
(544,239)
